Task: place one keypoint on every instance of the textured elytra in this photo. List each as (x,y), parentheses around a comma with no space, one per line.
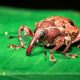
(65,26)
(58,22)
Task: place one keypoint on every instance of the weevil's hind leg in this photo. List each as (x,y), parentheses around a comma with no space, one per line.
(26,31)
(67,54)
(59,43)
(74,41)
(77,39)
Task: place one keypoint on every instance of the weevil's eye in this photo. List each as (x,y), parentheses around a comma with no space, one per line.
(42,34)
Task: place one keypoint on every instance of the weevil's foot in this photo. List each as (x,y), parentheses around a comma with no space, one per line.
(12,46)
(52,59)
(72,55)
(22,46)
(78,46)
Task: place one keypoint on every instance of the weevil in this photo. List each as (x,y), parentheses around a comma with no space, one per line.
(54,31)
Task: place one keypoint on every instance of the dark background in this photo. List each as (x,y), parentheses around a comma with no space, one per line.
(43,4)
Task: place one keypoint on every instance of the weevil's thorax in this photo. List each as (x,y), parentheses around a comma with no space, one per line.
(50,35)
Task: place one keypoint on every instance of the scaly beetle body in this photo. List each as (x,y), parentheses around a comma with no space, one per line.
(53,31)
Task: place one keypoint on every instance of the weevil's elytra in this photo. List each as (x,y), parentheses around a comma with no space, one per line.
(53,31)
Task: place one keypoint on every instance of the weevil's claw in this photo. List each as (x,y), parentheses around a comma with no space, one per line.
(72,55)
(52,59)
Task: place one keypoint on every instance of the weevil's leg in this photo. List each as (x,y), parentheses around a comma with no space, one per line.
(59,43)
(26,31)
(77,39)
(67,47)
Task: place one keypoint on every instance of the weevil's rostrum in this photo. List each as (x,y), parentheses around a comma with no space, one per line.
(53,31)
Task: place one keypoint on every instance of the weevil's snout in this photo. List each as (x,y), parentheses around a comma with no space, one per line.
(29,49)
(38,34)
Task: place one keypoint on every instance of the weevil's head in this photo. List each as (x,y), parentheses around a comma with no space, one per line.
(39,34)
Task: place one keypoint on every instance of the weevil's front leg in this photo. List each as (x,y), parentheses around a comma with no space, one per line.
(59,42)
(26,31)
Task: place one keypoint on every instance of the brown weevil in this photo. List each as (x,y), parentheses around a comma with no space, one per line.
(53,31)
